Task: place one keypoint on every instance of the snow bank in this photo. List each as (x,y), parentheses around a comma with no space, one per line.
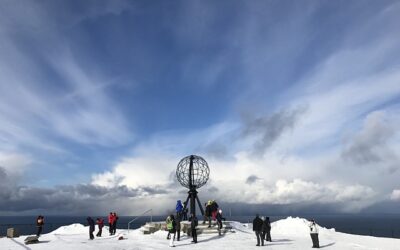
(296,227)
(71,229)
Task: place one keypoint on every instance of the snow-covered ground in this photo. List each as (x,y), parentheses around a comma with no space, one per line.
(290,233)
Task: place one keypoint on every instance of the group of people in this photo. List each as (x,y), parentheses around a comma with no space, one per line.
(91,223)
(262,228)
(112,223)
(174,228)
(211,208)
(173,222)
(261,225)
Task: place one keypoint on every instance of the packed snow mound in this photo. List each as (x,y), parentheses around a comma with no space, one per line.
(295,226)
(71,229)
(287,234)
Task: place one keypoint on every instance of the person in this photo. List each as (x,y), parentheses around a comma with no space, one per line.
(100,224)
(257,228)
(179,207)
(263,228)
(111,220)
(219,221)
(91,227)
(39,225)
(267,235)
(178,226)
(185,211)
(214,209)
(167,222)
(193,224)
(314,234)
(171,226)
(207,214)
(115,223)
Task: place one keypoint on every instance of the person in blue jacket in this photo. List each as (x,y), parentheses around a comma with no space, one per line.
(179,207)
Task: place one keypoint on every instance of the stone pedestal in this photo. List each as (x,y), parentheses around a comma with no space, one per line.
(12,233)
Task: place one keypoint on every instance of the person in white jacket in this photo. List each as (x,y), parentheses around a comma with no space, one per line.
(314,234)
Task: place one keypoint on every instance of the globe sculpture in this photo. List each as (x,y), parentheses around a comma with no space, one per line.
(193,172)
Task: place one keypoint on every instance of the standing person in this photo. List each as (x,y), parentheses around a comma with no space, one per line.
(168,222)
(263,228)
(179,207)
(257,228)
(111,219)
(178,226)
(208,213)
(314,234)
(39,225)
(267,222)
(115,222)
(219,221)
(91,227)
(100,224)
(185,211)
(214,209)
(171,226)
(193,224)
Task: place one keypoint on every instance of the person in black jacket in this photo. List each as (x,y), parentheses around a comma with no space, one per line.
(267,235)
(263,228)
(219,221)
(114,226)
(39,224)
(257,228)
(91,227)
(172,230)
(185,211)
(207,215)
(178,226)
(193,224)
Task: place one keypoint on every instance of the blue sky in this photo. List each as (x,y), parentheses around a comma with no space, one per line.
(291,101)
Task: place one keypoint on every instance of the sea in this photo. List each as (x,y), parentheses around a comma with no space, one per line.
(386,225)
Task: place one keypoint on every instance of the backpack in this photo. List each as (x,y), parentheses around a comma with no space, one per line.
(169,223)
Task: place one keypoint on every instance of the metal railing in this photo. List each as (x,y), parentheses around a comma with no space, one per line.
(137,217)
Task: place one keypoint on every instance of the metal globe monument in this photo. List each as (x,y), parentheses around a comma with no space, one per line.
(193,172)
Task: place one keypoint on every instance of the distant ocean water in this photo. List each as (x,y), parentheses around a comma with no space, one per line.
(374,225)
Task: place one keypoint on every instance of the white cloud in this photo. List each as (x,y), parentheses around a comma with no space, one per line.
(150,170)
(395,195)
(230,178)
(14,163)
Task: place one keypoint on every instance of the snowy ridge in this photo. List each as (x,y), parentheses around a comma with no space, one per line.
(289,233)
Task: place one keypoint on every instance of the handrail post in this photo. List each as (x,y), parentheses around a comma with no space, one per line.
(151,218)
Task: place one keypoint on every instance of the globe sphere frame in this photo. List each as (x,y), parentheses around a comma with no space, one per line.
(199,175)
(193,172)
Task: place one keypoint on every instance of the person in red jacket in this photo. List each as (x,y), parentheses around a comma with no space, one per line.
(111,220)
(100,224)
